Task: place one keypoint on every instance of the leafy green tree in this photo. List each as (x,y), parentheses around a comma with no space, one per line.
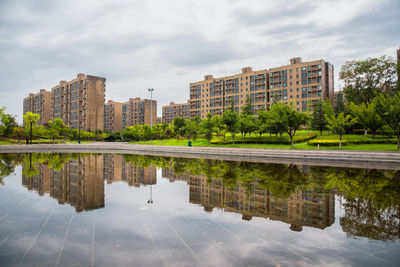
(339,124)
(247,124)
(231,119)
(318,119)
(18,132)
(292,120)
(179,126)
(262,122)
(191,128)
(275,121)
(53,130)
(31,118)
(389,109)
(367,116)
(146,131)
(8,122)
(208,127)
(364,79)
(219,125)
(247,107)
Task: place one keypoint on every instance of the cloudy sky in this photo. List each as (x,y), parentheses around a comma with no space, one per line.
(168,44)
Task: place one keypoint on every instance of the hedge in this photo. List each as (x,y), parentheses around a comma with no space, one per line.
(335,142)
(268,140)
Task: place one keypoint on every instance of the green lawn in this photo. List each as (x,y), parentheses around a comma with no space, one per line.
(301,145)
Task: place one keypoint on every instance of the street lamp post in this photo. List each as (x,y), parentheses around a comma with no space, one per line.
(150,201)
(151,114)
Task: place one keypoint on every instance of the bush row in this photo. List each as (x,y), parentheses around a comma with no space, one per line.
(285,140)
(333,142)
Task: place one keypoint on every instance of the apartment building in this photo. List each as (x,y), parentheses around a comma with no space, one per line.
(39,103)
(139,111)
(299,83)
(171,111)
(80,102)
(113,116)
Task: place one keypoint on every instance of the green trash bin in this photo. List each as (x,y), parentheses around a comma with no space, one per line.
(189,143)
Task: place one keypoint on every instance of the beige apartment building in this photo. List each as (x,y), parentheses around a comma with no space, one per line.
(113,116)
(39,103)
(171,111)
(80,102)
(299,83)
(139,111)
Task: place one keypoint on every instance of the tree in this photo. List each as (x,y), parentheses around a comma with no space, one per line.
(247,107)
(339,124)
(208,127)
(318,120)
(246,124)
(18,132)
(290,119)
(53,130)
(179,125)
(31,118)
(191,128)
(367,116)
(231,119)
(389,109)
(275,120)
(219,125)
(364,79)
(8,122)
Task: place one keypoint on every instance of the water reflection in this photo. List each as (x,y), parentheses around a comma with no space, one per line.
(300,196)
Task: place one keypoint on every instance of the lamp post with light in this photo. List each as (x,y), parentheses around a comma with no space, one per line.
(151,114)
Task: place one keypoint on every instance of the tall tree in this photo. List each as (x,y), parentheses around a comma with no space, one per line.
(339,124)
(18,132)
(367,116)
(192,128)
(179,125)
(389,109)
(247,107)
(364,79)
(318,120)
(208,127)
(31,118)
(231,119)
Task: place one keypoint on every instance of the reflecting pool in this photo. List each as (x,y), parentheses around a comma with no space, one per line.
(131,210)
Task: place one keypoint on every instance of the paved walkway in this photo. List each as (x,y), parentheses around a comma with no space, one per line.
(362,159)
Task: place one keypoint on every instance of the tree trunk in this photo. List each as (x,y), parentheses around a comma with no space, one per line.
(340,141)
(31,133)
(291,140)
(233,138)
(398,141)
(365,132)
(321,132)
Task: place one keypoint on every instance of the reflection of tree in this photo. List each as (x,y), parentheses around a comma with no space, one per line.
(364,218)
(7,164)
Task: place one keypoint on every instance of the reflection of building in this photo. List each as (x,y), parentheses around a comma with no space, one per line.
(138,175)
(39,103)
(39,182)
(78,183)
(116,169)
(302,208)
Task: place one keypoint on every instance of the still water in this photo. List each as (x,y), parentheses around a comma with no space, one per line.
(130,210)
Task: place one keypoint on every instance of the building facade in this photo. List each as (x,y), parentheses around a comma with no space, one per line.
(171,111)
(39,103)
(80,102)
(139,111)
(113,116)
(299,83)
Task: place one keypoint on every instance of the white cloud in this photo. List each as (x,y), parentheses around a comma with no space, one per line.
(167,45)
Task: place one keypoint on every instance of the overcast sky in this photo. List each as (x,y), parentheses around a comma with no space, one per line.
(168,44)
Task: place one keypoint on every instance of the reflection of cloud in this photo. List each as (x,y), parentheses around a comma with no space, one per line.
(140,44)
